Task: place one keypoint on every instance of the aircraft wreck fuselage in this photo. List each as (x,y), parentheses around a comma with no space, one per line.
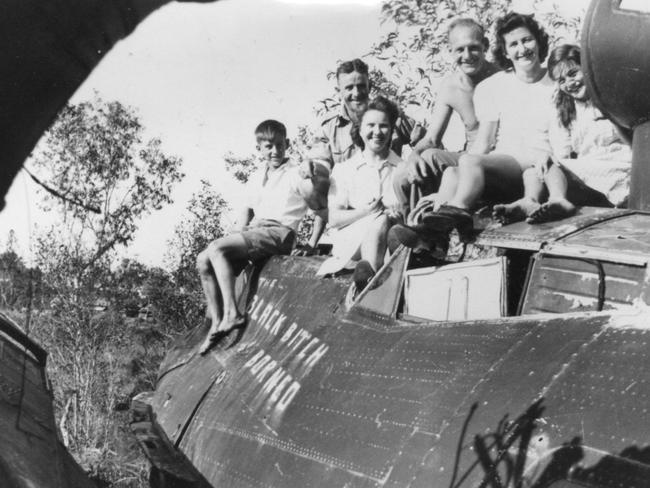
(323,390)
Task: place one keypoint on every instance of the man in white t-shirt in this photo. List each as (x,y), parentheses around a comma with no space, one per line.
(512,109)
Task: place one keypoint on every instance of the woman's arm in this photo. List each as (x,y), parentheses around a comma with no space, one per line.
(340,216)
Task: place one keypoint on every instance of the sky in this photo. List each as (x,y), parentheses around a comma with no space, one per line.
(202,76)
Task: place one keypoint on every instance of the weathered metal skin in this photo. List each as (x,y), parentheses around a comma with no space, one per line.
(31,453)
(317,395)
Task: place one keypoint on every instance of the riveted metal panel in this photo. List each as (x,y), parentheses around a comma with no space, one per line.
(522,235)
(627,234)
(317,396)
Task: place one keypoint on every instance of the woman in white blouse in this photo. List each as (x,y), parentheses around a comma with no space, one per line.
(362,204)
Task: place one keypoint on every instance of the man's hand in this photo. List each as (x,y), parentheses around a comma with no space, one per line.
(417,133)
(425,204)
(376,205)
(306,169)
(394,213)
(417,168)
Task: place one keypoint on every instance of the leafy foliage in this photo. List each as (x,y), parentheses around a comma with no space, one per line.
(20,285)
(412,54)
(414,51)
(107,178)
(186,305)
(240,167)
(94,154)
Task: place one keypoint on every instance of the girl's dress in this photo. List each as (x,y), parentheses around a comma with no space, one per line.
(355,183)
(603,158)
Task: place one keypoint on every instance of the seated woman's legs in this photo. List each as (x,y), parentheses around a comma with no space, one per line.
(499,173)
(373,246)
(524,207)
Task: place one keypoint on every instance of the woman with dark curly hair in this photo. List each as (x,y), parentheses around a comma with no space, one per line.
(512,109)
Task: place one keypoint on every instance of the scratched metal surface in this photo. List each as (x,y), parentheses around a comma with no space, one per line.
(355,401)
(30,452)
(629,234)
(566,284)
(532,237)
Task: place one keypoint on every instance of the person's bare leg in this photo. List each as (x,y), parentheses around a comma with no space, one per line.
(373,246)
(525,206)
(222,255)
(558,206)
(471,181)
(499,172)
(448,186)
(210,288)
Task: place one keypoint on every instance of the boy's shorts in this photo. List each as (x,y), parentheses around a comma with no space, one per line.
(267,238)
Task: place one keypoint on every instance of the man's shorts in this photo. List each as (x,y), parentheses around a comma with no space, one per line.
(265,238)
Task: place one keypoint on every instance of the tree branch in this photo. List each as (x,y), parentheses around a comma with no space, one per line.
(54,192)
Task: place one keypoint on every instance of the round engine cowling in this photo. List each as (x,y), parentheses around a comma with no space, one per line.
(616,64)
(616,60)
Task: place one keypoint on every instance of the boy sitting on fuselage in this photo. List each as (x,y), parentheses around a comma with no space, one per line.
(278,200)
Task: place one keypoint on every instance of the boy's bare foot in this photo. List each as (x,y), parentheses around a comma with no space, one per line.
(515,211)
(226,326)
(552,210)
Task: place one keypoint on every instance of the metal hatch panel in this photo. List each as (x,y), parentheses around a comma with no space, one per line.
(457,291)
(522,235)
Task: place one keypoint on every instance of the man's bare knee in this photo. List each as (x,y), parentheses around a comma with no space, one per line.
(469,161)
(203,265)
(216,249)
(450,172)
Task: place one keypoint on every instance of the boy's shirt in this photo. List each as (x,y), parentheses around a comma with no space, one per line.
(275,195)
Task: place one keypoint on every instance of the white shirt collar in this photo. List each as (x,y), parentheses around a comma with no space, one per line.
(392,160)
